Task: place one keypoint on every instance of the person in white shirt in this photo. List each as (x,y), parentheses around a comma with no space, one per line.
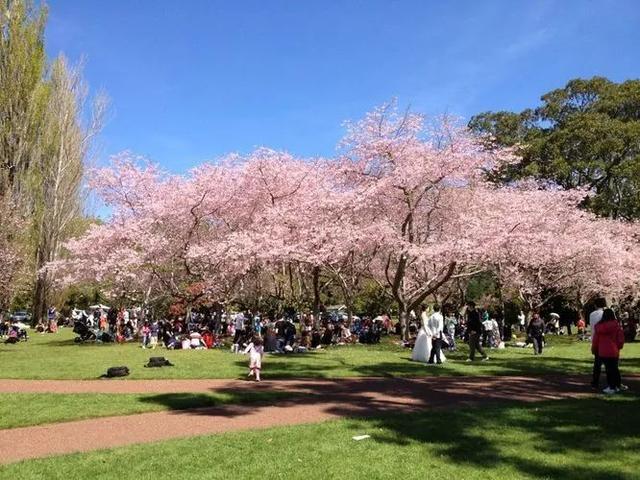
(239,327)
(596,315)
(450,324)
(594,319)
(435,326)
(522,320)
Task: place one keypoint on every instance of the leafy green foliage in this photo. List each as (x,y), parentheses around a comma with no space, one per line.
(585,135)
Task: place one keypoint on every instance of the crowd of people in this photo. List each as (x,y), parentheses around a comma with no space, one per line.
(432,331)
(447,326)
(437,330)
(199,330)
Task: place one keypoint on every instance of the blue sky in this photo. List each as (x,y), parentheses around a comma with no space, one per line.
(190,81)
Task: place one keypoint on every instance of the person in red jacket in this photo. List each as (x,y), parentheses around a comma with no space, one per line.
(606,344)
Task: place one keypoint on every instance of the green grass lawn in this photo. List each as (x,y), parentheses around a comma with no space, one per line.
(23,409)
(57,357)
(595,439)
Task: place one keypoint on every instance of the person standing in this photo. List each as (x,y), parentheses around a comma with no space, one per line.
(521,321)
(255,349)
(474,328)
(422,348)
(436,327)
(239,332)
(606,343)
(594,319)
(145,333)
(535,330)
(450,324)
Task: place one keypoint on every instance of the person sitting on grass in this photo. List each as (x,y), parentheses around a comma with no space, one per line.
(169,339)
(13,335)
(581,328)
(22,333)
(316,338)
(53,326)
(607,341)
(345,335)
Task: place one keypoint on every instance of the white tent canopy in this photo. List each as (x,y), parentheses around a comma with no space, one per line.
(99,307)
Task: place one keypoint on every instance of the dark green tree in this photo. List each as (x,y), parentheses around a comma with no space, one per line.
(585,135)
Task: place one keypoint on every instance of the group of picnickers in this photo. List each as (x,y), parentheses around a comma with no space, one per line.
(436,330)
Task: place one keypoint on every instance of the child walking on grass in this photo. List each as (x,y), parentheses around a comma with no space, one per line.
(255,350)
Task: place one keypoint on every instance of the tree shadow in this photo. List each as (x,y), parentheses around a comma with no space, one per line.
(458,418)
(190,401)
(565,428)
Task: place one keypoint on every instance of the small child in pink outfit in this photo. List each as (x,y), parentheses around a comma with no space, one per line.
(256,351)
(145,332)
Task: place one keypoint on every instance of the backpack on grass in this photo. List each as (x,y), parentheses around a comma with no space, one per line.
(116,372)
(158,362)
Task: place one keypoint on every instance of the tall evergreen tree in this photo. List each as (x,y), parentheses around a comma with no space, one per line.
(586,134)
(43,144)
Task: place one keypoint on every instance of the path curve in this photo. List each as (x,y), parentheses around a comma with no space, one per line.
(310,401)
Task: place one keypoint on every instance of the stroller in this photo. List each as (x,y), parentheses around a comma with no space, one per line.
(85,334)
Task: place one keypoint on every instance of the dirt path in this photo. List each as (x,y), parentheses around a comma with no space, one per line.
(310,401)
(117,386)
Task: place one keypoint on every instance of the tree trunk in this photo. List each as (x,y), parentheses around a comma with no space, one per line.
(349,305)
(404,323)
(40,299)
(316,293)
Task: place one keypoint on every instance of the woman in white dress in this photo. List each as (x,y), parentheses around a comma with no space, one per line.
(422,348)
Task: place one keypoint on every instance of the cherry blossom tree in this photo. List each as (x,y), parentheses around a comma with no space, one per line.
(407,203)
(160,226)
(554,248)
(438,218)
(415,183)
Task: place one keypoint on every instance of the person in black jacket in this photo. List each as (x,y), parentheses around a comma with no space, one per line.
(535,330)
(474,329)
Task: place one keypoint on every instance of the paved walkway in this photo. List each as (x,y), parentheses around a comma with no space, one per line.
(310,401)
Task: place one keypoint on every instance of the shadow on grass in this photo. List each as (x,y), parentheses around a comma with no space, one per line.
(300,367)
(567,430)
(467,425)
(187,401)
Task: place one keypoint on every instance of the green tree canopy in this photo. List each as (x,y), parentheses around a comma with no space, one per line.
(586,134)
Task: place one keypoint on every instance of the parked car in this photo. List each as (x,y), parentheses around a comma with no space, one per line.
(21,316)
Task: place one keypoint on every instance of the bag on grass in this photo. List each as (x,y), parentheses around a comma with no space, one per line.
(116,372)
(158,362)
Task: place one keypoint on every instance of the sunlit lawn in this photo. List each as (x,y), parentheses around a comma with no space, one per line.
(595,439)
(57,357)
(24,409)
